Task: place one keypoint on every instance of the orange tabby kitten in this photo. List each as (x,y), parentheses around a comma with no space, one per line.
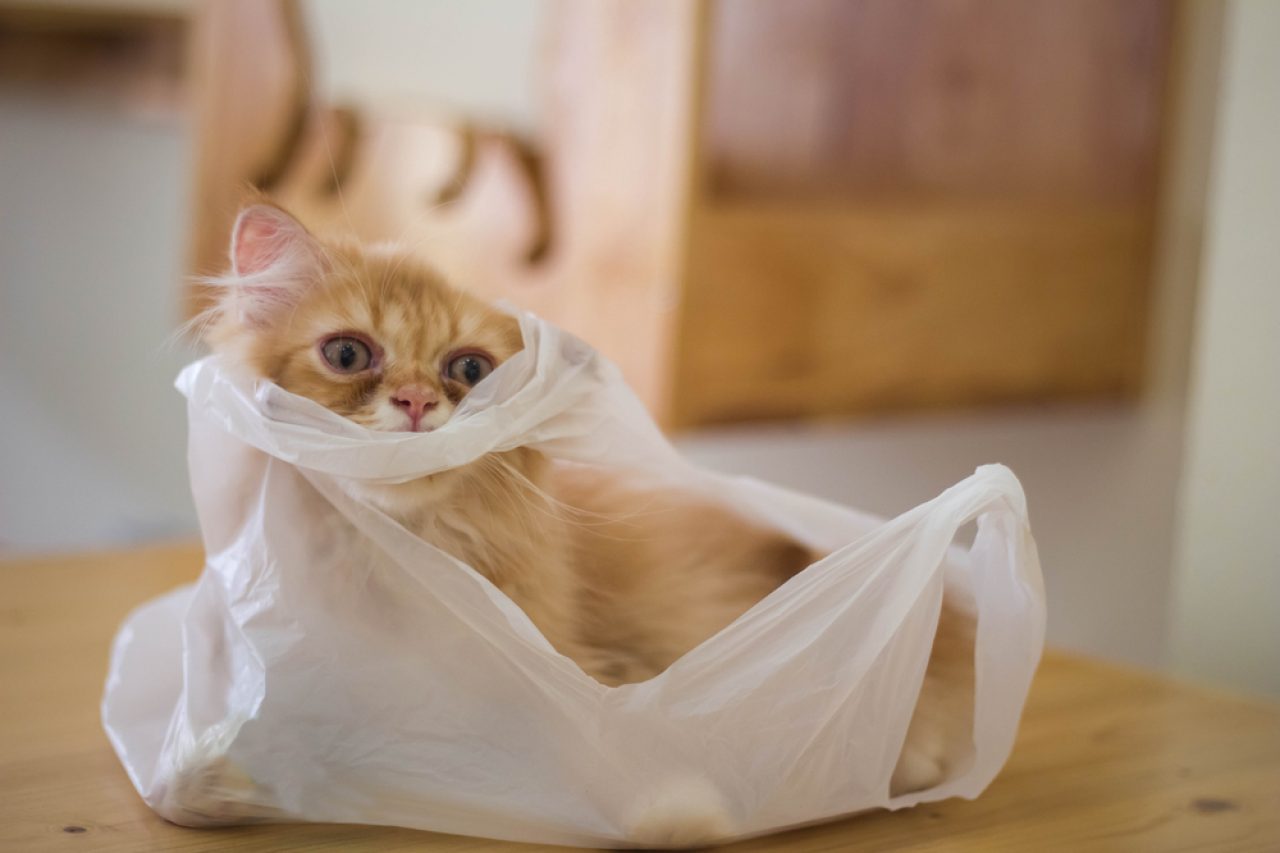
(620,578)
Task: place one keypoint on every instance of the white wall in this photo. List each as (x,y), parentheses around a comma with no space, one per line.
(92,226)
(1227,612)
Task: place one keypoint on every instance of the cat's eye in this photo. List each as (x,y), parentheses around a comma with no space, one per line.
(346,354)
(469,368)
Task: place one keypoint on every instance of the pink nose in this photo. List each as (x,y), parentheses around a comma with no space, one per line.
(416,401)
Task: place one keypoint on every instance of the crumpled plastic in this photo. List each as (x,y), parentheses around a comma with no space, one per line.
(329,665)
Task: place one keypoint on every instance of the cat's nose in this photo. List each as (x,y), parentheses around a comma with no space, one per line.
(416,401)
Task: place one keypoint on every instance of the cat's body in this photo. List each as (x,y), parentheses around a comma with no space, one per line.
(622,577)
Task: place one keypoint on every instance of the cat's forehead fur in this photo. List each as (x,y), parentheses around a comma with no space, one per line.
(413,315)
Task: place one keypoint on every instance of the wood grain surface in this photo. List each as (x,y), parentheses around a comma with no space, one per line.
(856,99)
(801,310)
(1107,759)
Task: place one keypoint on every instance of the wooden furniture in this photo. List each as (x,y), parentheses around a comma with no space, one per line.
(766,209)
(122,54)
(1107,758)
(917,204)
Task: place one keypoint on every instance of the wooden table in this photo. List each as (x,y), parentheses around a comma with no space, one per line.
(1108,758)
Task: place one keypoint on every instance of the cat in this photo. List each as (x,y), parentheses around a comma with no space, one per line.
(619,576)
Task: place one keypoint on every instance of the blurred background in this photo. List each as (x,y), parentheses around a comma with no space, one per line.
(858,247)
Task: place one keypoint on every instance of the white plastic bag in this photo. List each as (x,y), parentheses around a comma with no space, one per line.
(328,665)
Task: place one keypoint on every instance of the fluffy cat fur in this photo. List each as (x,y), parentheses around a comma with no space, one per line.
(619,577)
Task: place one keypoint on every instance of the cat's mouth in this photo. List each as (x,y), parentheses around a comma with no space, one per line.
(395,422)
(407,427)
(430,423)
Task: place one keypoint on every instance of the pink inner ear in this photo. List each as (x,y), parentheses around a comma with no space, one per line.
(274,260)
(264,237)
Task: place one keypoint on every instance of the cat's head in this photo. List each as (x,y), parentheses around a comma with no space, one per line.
(368,334)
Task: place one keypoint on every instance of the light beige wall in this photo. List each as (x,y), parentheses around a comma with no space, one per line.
(471,58)
(1226,625)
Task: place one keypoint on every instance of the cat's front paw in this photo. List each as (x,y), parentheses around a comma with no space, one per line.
(917,769)
(680,814)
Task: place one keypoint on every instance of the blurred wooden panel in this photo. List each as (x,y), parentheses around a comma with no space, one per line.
(802,311)
(913,203)
(622,125)
(926,98)
(126,54)
(250,72)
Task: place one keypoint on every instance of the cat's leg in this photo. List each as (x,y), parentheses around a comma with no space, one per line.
(680,813)
(940,735)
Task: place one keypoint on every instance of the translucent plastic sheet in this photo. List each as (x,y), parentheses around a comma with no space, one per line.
(328,665)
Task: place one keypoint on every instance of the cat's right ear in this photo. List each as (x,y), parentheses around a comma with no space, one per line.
(267,239)
(274,259)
